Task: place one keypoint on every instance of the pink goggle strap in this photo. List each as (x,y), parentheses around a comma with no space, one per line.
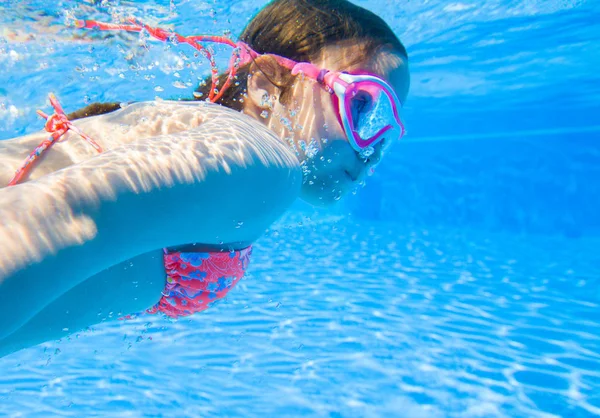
(242,53)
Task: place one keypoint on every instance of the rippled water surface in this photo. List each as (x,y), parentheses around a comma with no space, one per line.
(466,283)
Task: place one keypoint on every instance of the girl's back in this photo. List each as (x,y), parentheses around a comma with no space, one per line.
(238,136)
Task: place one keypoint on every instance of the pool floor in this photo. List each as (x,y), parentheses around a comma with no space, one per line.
(341,319)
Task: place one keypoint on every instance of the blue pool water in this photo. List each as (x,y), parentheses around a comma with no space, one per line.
(463,281)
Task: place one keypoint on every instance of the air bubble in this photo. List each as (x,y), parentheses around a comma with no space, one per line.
(367,152)
(266,101)
(264,114)
(70,18)
(173,39)
(287,123)
(144,36)
(158,88)
(313,149)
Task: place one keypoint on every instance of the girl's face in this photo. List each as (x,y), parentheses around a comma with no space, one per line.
(308,122)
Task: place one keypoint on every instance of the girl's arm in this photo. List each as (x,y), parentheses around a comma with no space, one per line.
(225,181)
(126,288)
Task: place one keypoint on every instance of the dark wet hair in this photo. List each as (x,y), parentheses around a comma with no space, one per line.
(300,30)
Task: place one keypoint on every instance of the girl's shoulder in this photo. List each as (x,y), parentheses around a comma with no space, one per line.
(224,130)
(161,117)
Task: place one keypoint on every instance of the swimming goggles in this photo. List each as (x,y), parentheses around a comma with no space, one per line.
(367,107)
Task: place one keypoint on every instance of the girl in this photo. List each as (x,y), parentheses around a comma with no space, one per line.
(185,188)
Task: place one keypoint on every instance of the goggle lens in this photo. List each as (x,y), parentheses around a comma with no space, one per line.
(374,116)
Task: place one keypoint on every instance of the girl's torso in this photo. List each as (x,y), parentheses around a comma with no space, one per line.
(232,144)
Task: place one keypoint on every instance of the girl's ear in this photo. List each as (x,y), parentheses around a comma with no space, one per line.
(266,79)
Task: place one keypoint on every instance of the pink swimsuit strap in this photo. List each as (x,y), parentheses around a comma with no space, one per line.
(195,280)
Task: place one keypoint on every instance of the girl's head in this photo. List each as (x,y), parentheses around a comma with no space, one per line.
(332,34)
